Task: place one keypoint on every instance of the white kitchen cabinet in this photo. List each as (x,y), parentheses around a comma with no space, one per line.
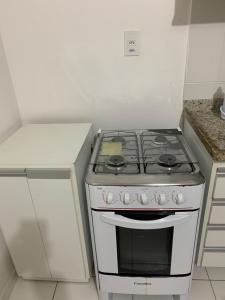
(20,227)
(215,238)
(211,245)
(219,188)
(217,214)
(42,211)
(54,204)
(213,259)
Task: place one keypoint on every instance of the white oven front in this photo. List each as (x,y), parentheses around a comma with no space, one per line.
(145,243)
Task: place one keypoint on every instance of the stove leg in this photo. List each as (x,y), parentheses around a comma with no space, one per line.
(180,297)
(105,296)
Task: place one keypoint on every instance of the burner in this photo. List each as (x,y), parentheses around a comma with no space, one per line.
(167,160)
(160,140)
(116,161)
(118,139)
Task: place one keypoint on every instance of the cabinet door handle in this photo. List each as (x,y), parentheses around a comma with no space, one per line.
(12,172)
(214,249)
(48,173)
(170,221)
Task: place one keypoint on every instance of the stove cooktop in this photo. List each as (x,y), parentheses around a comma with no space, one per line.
(142,152)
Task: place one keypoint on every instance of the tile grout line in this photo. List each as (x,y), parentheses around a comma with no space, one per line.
(223,280)
(207,273)
(200,279)
(53,296)
(210,283)
(212,289)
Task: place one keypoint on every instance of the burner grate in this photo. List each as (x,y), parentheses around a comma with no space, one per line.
(164,153)
(142,152)
(118,154)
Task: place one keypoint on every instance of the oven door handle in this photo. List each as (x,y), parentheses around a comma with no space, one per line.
(169,221)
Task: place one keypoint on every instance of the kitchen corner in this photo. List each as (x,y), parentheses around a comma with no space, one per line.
(112,187)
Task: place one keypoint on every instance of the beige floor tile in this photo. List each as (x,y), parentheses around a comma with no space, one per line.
(76,291)
(219,289)
(200,273)
(33,290)
(201,290)
(216,273)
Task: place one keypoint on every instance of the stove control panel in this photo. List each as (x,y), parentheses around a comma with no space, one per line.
(170,197)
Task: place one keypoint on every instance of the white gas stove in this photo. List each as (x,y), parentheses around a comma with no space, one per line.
(144,191)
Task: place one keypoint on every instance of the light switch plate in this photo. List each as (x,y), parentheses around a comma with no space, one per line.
(131,43)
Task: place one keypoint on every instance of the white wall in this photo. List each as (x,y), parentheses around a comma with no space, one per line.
(67,64)
(9,121)
(206,54)
(9,114)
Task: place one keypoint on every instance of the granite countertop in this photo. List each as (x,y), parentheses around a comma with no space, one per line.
(208,126)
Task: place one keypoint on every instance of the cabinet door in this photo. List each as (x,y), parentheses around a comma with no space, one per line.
(54,202)
(219,188)
(217,216)
(213,258)
(20,228)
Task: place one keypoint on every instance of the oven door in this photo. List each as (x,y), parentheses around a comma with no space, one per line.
(145,243)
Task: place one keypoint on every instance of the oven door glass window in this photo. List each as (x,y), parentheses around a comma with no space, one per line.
(144,252)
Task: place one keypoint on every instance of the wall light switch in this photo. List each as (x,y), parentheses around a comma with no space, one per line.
(131,43)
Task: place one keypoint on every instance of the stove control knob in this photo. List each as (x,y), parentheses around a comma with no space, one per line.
(109,198)
(179,199)
(126,199)
(144,199)
(161,199)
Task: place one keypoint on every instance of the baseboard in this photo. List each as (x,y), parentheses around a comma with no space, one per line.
(6,292)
